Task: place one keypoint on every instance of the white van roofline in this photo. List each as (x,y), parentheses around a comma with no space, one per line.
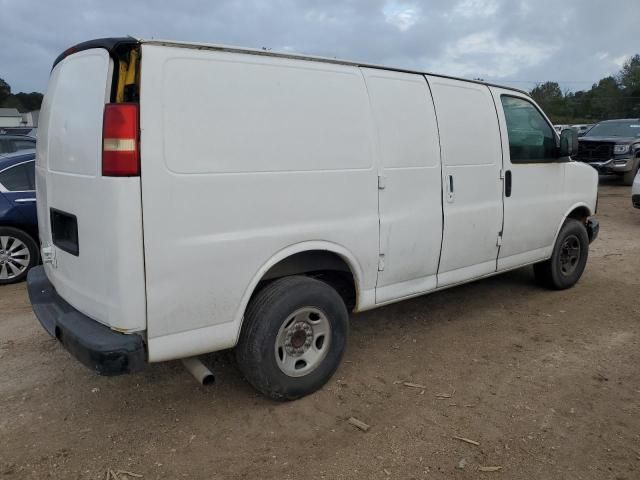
(311,58)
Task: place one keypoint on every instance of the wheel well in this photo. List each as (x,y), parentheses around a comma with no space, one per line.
(580,213)
(327,266)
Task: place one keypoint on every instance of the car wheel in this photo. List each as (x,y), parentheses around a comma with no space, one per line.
(18,253)
(568,260)
(293,337)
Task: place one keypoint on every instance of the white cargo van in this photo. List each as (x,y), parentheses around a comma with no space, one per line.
(194,198)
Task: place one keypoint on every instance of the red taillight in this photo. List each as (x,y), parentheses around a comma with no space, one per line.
(120,155)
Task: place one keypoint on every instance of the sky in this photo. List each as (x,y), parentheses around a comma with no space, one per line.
(513,42)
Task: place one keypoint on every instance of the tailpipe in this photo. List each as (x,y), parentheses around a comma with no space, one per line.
(200,372)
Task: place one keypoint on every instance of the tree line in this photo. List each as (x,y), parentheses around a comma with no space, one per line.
(615,96)
(24,102)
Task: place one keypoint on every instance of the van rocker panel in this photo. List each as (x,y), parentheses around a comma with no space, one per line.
(96,346)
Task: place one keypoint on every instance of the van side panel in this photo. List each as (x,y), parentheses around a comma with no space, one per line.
(105,280)
(411,197)
(471,164)
(242,157)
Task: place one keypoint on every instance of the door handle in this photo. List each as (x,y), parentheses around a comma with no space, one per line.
(449,187)
(507,183)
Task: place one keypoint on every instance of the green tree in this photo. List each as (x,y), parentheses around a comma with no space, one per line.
(24,102)
(578,107)
(547,91)
(5,91)
(13,102)
(629,76)
(606,100)
(549,96)
(629,79)
(30,101)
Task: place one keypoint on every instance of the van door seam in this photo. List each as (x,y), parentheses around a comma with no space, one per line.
(379,170)
(502,169)
(435,112)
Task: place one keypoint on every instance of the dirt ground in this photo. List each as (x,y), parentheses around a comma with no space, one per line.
(547,383)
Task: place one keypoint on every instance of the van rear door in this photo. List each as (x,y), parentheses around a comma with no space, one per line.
(90,224)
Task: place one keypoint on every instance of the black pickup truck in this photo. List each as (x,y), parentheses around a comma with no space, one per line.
(613,148)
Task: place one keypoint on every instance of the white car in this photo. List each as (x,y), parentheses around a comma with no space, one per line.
(635,191)
(194,198)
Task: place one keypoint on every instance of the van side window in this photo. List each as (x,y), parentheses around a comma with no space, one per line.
(19,178)
(531,138)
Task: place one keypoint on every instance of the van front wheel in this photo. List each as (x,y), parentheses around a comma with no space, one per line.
(568,260)
(293,337)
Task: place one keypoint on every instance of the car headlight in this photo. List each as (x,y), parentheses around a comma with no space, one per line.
(620,149)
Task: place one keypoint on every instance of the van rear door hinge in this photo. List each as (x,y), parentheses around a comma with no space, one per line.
(499,241)
(381,262)
(502,174)
(48,255)
(380,182)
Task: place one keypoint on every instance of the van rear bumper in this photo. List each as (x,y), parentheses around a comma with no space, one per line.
(94,345)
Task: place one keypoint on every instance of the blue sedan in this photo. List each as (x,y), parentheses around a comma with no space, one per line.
(18,219)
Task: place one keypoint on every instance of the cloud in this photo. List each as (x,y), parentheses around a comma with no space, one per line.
(620,60)
(403,17)
(518,42)
(484,55)
(475,9)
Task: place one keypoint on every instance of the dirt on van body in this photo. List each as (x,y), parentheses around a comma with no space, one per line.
(543,385)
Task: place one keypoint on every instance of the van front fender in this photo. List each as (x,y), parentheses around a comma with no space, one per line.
(579,211)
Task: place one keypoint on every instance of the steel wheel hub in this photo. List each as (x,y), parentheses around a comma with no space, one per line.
(298,339)
(569,255)
(302,342)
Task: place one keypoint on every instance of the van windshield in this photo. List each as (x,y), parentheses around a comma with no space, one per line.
(626,128)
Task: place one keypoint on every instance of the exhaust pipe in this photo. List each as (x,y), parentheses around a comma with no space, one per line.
(200,372)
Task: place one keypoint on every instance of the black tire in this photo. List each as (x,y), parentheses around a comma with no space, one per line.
(11,233)
(561,271)
(628,177)
(267,313)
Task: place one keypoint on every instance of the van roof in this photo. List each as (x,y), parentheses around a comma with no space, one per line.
(112,44)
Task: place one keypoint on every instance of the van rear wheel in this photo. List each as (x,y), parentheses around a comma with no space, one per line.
(293,337)
(568,260)
(18,253)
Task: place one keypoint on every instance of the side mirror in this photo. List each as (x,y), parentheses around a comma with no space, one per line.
(568,142)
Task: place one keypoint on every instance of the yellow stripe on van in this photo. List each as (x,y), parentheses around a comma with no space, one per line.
(131,70)
(126,74)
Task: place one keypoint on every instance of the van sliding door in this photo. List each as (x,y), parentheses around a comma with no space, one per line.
(409,187)
(472,189)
